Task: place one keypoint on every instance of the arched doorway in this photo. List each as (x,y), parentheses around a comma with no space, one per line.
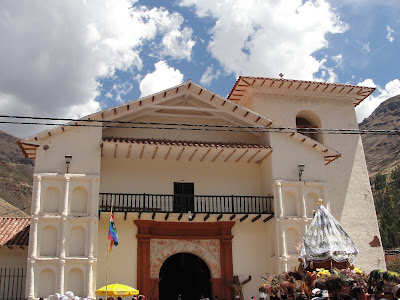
(185,274)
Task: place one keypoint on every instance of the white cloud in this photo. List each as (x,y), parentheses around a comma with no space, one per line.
(338,59)
(53,52)
(366,108)
(162,78)
(365,47)
(177,41)
(209,75)
(121,89)
(389,35)
(265,38)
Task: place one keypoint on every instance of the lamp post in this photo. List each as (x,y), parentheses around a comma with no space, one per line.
(68,159)
(301,170)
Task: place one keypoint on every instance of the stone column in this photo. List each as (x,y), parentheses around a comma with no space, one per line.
(303,211)
(90,278)
(33,232)
(279,200)
(92,237)
(30,279)
(36,198)
(64,211)
(61,279)
(62,243)
(93,197)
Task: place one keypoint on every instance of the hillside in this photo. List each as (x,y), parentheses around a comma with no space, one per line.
(382,152)
(15,177)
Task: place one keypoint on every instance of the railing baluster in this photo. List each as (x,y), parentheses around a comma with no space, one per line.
(214,204)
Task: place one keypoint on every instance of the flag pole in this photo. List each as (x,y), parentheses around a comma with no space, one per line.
(108,252)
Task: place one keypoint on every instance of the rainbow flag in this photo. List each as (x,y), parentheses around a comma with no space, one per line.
(112,233)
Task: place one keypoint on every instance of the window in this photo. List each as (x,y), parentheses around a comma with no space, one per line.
(183,197)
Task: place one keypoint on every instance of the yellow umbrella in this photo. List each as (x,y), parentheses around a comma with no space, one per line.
(117,290)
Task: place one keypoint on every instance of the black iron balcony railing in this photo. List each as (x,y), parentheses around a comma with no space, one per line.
(205,204)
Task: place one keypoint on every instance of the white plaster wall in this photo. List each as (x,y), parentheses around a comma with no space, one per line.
(250,249)
(348,188)
(83,143)
(13,257)
(287,154)
(122,260)
(158,176)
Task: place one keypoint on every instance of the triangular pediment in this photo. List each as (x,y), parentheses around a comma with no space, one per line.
(192,104)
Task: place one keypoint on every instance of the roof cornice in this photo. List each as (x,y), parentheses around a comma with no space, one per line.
(281,86)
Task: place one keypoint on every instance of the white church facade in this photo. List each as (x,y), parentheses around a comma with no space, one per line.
(203,188)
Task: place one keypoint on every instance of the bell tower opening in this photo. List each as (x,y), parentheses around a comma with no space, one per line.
(184,274)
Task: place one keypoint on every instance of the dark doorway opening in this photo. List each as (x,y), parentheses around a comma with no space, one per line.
(184,274)
(183,197)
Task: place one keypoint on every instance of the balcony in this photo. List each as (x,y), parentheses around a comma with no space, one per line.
(241,206)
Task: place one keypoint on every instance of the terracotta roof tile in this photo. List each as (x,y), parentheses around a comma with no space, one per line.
(183,143)
(14,232)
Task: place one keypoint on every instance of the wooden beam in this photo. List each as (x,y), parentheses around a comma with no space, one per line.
(141,152)
(268,218)
(261,160)
(218,154)
(115,150)
(256,218)
(194,152)
(153,215)
(219,217)
(232,217)
(129,151)
(243,154)
(204,156)
(166,216)
(180,216)
(254,155)
(101,149)
(229,156)
(206,217)
(185,108)
(166,155)
(180,154)
(155,152)
(244,218)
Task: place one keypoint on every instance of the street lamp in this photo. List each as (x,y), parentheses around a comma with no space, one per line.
(68,159)
(301,170)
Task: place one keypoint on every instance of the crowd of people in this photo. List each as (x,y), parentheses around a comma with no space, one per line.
(335,284)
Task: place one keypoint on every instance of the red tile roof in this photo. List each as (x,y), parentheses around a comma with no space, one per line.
(14,232)
(183,143)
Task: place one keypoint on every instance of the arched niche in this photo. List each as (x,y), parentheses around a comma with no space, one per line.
(311,204)
(77,239)
(75,282)
(307,119)
(51,201)
(46,283)
(290,204)
(292,240)
(48,241)
(79,200)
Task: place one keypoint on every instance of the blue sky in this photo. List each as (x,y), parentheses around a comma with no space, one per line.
(72,58)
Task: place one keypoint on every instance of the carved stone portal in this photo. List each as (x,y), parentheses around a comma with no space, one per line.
(207,250)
